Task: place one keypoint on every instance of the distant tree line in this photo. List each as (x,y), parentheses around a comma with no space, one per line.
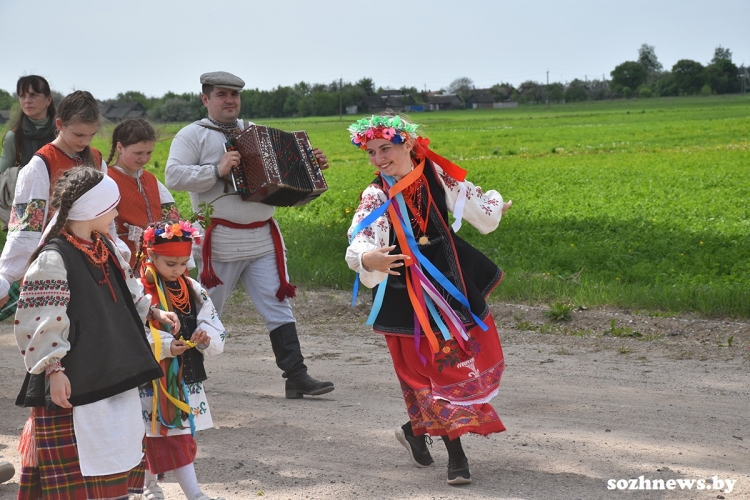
(642,78)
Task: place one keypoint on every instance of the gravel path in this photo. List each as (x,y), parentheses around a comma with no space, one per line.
(581,408)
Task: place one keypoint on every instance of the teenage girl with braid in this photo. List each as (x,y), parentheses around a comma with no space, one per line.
(144,198)
(431,287)
(77,121)
(175,406)
(79,327)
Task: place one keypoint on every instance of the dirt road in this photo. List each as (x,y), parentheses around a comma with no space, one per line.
(581,408)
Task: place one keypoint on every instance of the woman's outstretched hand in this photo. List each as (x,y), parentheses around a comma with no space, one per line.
(381,260)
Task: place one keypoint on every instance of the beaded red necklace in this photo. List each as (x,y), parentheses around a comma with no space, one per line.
(180,298)
(418,198)
(96,252)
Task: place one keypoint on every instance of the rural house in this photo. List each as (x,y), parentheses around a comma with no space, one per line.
(480,98)
(445,102)
(377,104)
(119,110)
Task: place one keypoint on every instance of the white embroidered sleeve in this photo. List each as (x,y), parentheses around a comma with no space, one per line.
(141,299)
(208,320)
(28,217)
(42,323)
(165,196)
(166,343)
(483,210)
(374,236)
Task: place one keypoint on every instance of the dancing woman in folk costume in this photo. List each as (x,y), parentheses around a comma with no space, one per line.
(80,328)
(175,406)
(431,287)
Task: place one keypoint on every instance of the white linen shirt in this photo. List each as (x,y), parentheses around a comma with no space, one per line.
(194,152)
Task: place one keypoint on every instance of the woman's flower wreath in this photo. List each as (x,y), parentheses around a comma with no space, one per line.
(391,128)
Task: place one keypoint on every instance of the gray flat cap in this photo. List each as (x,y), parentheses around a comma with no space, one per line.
(223,79)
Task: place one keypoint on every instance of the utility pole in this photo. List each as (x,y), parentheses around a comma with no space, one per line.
(548,88)
(341,110)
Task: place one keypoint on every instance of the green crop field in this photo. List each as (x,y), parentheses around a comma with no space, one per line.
(640,204)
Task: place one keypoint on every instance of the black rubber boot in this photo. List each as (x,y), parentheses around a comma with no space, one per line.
(286,348)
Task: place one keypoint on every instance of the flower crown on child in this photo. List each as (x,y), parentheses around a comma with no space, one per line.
(391,128)
(171,238)
(168,230)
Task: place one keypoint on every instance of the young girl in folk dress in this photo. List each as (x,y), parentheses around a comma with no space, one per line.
(175,407)
(432,285)
(79,326)
(77,121)
(144,199)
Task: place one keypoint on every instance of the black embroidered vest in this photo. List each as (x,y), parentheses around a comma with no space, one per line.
(109,352)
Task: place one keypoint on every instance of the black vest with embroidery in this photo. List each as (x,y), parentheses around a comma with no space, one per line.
(468,269)
(109,352)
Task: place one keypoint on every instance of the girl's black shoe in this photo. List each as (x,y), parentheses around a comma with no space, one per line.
(458,471)
(417,447)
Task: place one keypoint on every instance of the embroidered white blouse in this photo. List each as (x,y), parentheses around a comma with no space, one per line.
(483,210)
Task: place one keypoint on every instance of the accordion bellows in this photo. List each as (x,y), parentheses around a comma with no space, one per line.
(277,168)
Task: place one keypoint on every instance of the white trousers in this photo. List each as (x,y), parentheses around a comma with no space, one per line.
(261,281)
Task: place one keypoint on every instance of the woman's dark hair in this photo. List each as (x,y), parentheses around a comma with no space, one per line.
(80,107)
(69,188)
(39,85)
(129,132)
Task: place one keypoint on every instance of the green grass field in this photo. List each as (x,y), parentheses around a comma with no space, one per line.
(640,204)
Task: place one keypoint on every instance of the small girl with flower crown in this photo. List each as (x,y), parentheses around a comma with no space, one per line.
(175,406)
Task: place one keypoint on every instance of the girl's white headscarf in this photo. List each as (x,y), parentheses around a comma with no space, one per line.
(97,201)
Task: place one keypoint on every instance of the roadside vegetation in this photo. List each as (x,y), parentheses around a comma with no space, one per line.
(631,203)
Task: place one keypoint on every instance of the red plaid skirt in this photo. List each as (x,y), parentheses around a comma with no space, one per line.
(170,452)
(58,476)
(449,396)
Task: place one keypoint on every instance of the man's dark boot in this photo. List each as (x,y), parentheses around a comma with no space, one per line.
(305,385)
(289,358)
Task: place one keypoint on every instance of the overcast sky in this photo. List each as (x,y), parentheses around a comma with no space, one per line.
(156,46)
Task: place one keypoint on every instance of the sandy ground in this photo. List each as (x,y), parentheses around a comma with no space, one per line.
(581,408)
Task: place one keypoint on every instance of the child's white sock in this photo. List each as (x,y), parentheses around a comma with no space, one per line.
(188,481)
(149,478)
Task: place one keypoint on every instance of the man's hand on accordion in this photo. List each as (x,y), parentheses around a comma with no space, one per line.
(229,160)
(321,157)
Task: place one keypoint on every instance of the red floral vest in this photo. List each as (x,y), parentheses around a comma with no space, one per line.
(138,207)
(58,162)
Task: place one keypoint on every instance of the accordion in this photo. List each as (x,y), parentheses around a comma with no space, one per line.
(276,168)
